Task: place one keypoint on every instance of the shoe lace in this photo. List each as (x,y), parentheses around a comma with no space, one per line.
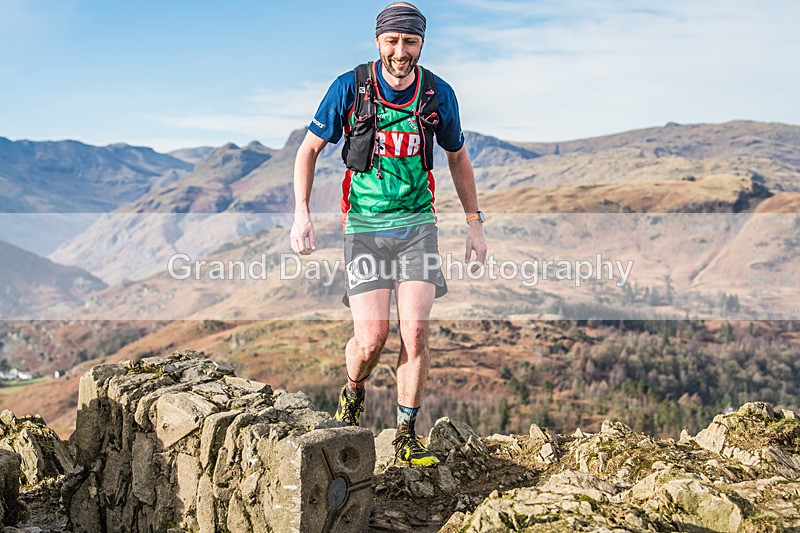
(411,440)
(352,409)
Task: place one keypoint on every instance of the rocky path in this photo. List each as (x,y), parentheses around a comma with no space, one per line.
(740,475)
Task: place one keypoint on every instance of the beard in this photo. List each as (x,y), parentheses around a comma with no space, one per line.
(411,62)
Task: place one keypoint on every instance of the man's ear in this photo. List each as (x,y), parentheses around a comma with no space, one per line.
(377,43)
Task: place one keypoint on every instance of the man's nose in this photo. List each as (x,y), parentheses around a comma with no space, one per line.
(400,49)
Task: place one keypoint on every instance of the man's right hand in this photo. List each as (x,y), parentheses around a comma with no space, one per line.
(303,235)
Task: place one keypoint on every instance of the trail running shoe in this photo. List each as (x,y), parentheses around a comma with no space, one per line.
(348,409)
(408,448)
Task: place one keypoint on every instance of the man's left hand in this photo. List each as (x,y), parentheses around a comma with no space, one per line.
(476,242)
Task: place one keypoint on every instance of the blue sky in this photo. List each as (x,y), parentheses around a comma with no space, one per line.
(172,74)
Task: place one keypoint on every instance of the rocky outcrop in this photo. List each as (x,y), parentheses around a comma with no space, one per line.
(757,437)
(180,444)
(409,499)
(179,441)
(42,453)
(741,474)
(32,458)
(9,485)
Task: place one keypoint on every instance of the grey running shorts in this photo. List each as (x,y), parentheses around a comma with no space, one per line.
(377,262)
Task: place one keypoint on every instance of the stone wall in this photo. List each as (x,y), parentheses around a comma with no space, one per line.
(180,442)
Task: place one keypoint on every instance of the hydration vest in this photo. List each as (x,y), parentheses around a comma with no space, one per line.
(359,143)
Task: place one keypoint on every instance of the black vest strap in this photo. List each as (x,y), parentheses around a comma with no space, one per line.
(359,144)
(428,113)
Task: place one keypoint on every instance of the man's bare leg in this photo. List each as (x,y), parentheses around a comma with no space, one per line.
(370,312)
(414,302)
(363,351)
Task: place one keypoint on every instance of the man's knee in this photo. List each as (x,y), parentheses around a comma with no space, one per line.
(371,345)
(414,336)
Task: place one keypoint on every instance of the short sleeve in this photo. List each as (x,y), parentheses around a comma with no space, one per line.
(328,122)
(449,134)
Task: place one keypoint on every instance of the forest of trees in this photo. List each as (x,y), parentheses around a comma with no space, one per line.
(656,376)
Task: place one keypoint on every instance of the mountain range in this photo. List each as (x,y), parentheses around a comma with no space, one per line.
(708,212)
(73,177)
(28,280)
(231,202)
(50,191)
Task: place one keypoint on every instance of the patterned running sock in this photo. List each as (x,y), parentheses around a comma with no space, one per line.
(356,389)
(406,418)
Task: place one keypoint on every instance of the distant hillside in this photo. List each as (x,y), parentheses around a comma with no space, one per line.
(780,142)
(191,155)
(207,189)
(771,151)
(42,347)
(72,177)
(244,182)
(733,172)
(31,285)
(486,151)
(69,181)
(658,376)
(143,234)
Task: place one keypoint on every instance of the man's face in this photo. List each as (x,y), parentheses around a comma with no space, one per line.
(399,52)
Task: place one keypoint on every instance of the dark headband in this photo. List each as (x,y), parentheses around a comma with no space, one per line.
(400,19)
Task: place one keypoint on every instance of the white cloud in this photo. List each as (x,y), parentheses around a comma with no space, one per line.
(594,68)
(523,70)
(300,101)
(270,117)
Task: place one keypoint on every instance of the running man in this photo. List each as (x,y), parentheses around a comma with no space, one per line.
(389,112)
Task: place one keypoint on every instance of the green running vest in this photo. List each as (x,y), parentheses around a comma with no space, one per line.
(396,192)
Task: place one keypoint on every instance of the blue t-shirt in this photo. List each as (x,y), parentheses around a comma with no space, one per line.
(328,123)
